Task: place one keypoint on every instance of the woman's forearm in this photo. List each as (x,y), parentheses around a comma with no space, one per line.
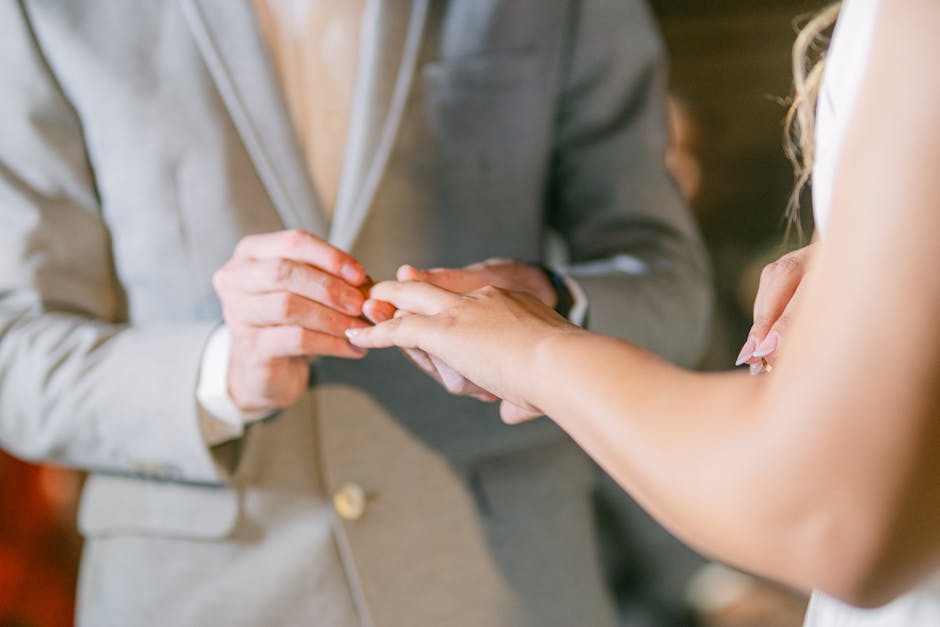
(699,451)
(823,474)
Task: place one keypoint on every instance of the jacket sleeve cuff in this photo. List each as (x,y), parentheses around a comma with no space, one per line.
(579,308)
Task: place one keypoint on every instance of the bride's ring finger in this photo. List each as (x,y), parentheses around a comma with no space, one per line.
(416,297)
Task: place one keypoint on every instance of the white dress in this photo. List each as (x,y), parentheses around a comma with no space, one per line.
(847,63)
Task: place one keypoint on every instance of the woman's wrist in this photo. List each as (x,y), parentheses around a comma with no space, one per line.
(545,364)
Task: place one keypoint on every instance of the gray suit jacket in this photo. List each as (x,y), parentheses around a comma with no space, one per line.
(140,141)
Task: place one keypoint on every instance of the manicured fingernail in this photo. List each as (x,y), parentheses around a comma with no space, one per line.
(746,352)
(351,273)
(769,345)
(756,369)
(351,333)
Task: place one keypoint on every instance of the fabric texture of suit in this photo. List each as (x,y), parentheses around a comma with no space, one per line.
(140,141)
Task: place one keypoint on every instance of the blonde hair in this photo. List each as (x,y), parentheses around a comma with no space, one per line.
(808,57)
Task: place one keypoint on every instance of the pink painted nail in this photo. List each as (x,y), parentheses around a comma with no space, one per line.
(756,369)
(769,345)
(747,351)
(351,333)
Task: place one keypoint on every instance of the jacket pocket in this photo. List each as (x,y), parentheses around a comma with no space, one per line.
(113,505)
(483,99)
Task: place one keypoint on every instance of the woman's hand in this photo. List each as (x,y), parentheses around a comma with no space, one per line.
(507,274)
(781,284)
(490,336)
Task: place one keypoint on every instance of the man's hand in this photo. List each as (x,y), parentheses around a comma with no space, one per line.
(781,283)
(502,273)
(505,274)
(286,297)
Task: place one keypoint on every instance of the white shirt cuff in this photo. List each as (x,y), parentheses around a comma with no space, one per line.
(579,309)
(220,419)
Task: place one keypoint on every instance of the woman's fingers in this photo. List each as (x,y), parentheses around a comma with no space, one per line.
(404,332)
(779,282)
(416,297)
(513,414)
(766,352)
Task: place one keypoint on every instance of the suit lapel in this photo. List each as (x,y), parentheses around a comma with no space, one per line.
(391,41)
(233,50)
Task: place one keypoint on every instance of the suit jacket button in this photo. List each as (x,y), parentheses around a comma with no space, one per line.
(349,501)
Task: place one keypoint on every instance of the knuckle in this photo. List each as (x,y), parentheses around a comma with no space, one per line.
(295,235)
(287,306)
(335,258)
(297,340)
(228,313)
(247,339)
(219,279)
(332,290)
(243,244)
(449,318)
(273,373)
(784,266)
(296,238)
(790,263)
(244,348)
(282,270)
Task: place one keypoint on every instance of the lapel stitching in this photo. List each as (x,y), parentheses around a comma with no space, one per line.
(291,215)
(343,233)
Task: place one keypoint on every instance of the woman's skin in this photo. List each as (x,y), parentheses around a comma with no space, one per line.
(825,474)
(778,296)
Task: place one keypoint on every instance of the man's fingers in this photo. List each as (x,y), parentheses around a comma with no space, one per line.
(485,396)
(422,361)
(304,247)
(417,297)
(287,308)
(295,341)
(513,414)
(454,280)
(287,275)
(445,375)
(453,381)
